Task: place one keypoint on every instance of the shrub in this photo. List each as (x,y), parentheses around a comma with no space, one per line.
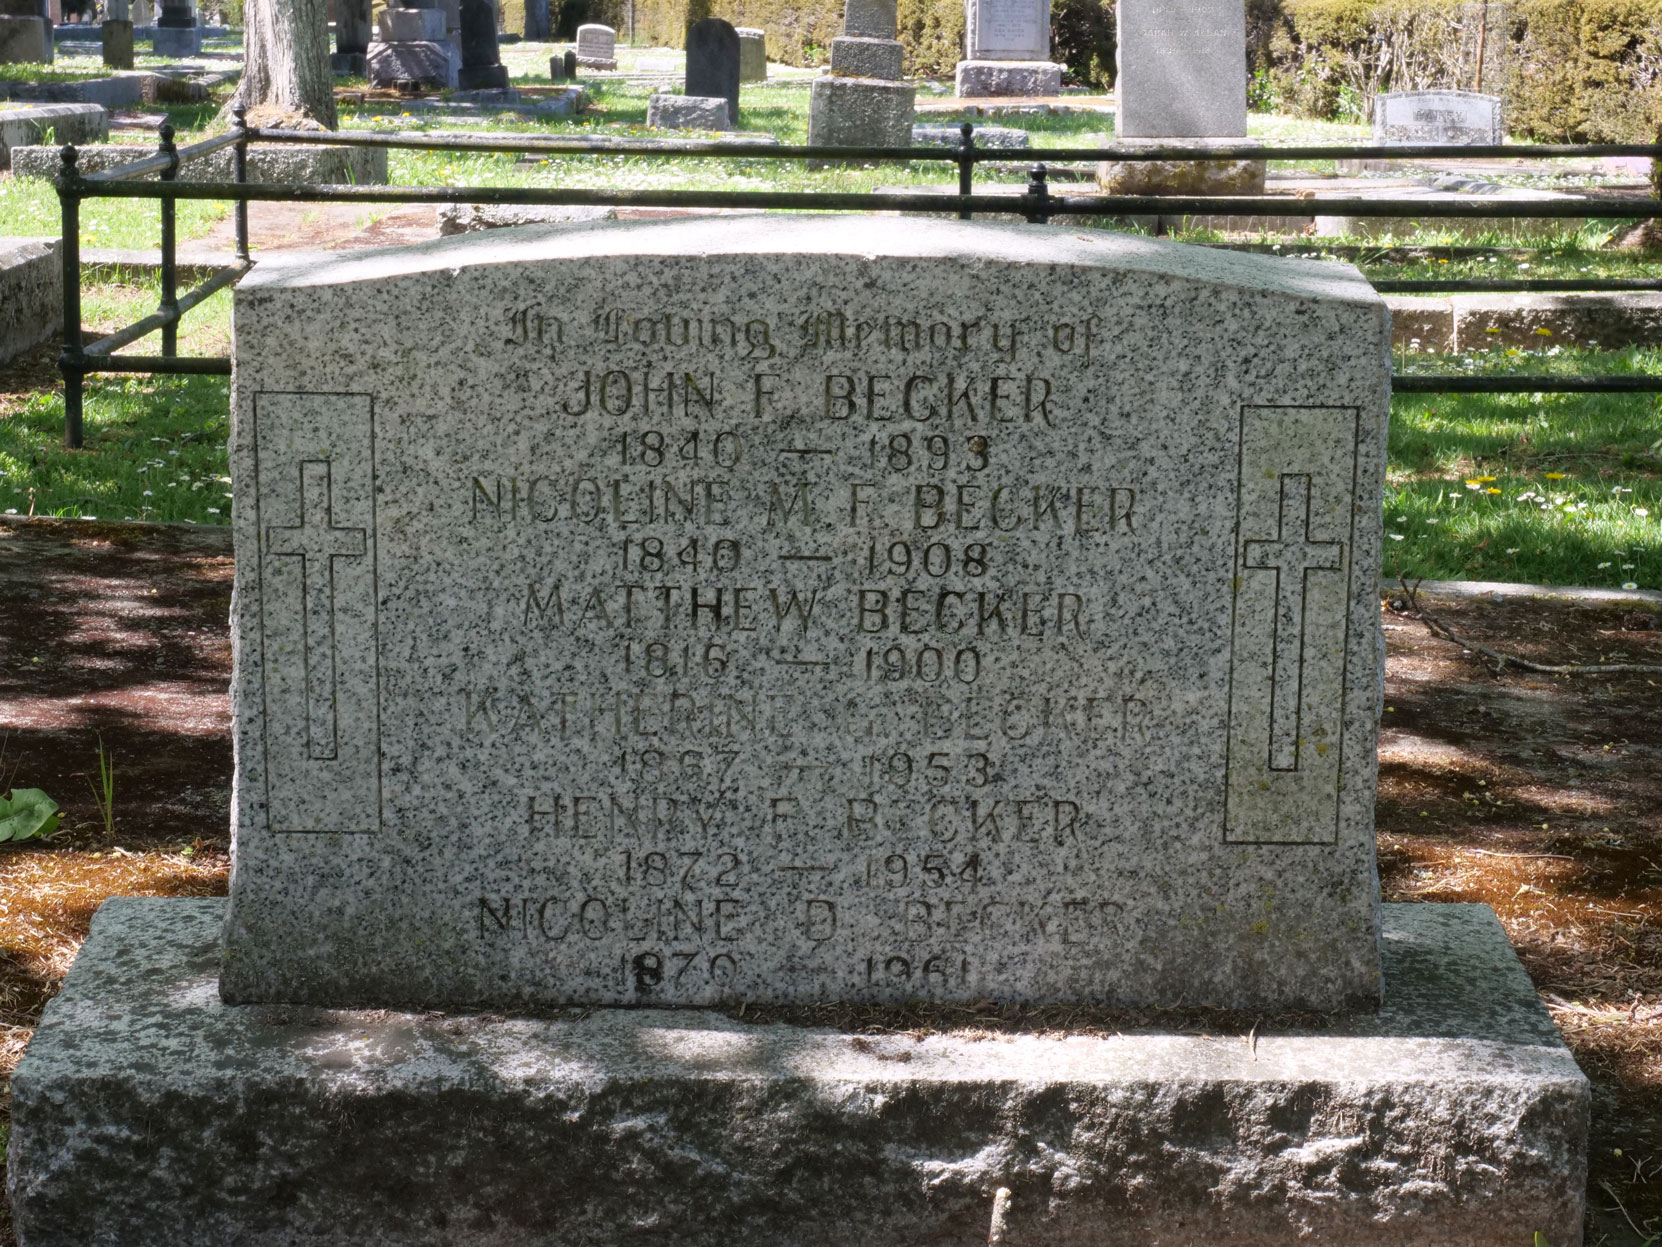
(1083,36)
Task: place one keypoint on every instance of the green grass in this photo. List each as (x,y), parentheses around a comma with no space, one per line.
(1538,488)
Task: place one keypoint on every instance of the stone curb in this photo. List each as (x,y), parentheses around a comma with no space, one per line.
(1469,590)
(1467,322)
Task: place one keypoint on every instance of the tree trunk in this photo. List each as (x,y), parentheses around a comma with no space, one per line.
(286,77)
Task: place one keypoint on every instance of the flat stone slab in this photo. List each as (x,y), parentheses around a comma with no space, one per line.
(149,1113)
(299,163)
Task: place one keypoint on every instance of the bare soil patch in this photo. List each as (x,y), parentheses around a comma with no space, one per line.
(1538,795)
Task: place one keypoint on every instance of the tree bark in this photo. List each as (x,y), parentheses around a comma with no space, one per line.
(286,77)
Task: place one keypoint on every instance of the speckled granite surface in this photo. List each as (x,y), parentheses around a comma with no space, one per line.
(795,609)
(148,1114)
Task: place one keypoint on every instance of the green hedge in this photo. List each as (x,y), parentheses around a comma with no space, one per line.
(1571,70)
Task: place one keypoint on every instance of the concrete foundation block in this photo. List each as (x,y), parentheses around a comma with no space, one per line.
(687,112)
(360,166)
(978,79)
(860,112)
(1181,177)
(31,294)
(24,125)
(1421,323)
(150,1114)
(857,57)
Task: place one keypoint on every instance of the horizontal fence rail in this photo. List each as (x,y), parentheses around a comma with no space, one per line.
(1035,203)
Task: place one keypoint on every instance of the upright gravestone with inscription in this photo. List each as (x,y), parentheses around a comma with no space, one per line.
(1007,50)
(855,645)
(800,610)
(1182,76)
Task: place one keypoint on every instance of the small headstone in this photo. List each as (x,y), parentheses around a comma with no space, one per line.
(568,65)
(753,55)
(687,112)
(1007,53)
(597,46)
(713,62)
(352,34)
(482,66)
(1455,117)
(430,63)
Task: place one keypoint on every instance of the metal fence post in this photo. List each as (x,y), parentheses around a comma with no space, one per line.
(239,111)
(1037,199)
(966,165)
(71,359)
(170,268)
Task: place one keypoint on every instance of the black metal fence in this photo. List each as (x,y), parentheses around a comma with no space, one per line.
(1036,203)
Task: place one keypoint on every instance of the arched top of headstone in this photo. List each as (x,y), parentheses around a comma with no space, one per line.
(713,62)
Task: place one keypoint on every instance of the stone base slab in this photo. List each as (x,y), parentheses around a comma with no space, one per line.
(860,112)
(24,125)
(150,1114)
(361,166)
(687,112)
(989,79)
(482,77)
(1181,177)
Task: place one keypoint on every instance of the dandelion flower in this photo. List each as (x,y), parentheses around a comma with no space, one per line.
(1544,332)
(1491,330)
(1555,476)
(1491,490)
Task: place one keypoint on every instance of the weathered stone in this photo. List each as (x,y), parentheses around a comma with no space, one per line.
(597,46)
(1026,702)
(117,40)
(432,64)
(411,25)
(31,294)
(1453,1116)
(1180,177)
(23,125)
(985,136)
(1421,324)
(713,62)
(687,112)
(1455,117)
(360,165)
(1611,321)
(469,218)
(860,112)
(753,55)
(23,40)
(119,91)
(875,19)
(977,79)
(856,57)
(1182,69)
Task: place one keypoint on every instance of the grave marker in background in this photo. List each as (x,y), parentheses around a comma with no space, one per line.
(713,63)
(1455,117)
(1007,50)
(596,46)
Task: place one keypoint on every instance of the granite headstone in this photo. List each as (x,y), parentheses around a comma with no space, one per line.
(876,629)
(753,54)
(1456,117)
(482,67)
(713,62)
(1182,69)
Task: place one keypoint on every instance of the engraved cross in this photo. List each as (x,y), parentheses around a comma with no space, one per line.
(1292,556)
(317,543)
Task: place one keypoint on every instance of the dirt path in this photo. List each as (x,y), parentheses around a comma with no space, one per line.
(1541,796)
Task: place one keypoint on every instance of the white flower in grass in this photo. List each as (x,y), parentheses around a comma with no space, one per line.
(1512,550)
(1431,521)
(1602,566)
(1627,567)
(147,493)
(1630,585)
(1640,512)
(1396,536)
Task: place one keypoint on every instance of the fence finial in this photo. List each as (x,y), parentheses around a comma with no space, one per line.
(67,156)
(1038,190)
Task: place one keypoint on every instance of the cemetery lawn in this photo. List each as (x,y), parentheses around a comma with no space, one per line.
(1540,796)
